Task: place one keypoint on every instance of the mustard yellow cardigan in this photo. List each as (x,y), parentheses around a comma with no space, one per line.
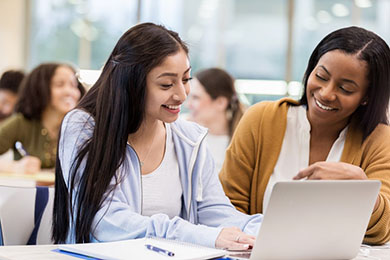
(255,147)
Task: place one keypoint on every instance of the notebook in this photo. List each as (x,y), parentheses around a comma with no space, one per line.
(316,219)
(137,249)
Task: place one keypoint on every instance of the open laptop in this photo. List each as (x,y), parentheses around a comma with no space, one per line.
(316,219)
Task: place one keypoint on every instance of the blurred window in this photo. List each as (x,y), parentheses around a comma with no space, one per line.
(248,38)
(313,19)
(82,32)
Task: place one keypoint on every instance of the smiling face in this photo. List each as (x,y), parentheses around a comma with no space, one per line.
(167,87)
(63,90)
(335,89)
(203,108)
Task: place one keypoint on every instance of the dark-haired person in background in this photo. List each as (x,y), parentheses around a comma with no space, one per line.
(9,86)
(338,130)
(47,93)
(127,168)
(213,103)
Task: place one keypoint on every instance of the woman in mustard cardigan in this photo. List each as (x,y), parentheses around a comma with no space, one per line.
(337,130)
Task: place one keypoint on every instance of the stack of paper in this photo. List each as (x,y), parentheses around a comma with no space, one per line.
(138,249)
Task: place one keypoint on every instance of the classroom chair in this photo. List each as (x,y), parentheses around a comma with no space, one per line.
(26,215)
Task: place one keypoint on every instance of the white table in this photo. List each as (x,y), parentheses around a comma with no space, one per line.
(44,252)
(43,178)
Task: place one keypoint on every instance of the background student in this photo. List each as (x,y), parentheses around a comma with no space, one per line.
(9,86)
(337,130)
(127,168)
(213,103)
(46,95)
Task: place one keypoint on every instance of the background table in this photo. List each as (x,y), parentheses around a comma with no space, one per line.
(44,178)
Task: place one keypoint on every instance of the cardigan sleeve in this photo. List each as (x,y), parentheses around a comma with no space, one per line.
(238,168)
(376,164)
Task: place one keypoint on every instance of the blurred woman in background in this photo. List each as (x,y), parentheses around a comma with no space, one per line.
(214,103)
(46,95)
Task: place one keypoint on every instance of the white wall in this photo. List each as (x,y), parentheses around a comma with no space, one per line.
(12,34)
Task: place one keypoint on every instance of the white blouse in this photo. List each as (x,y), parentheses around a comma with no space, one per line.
(217,145)
(294,155)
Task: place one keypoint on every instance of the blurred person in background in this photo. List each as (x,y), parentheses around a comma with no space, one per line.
(9,86)
(213,103)
(46,95)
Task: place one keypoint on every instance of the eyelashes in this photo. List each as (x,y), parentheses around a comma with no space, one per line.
(185,81)
(346,91)
(320,78)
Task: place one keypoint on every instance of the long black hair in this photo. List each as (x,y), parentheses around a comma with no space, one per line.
(117,104)
(370,48)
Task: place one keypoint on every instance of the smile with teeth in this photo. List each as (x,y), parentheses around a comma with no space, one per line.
(172,107)
(323,106)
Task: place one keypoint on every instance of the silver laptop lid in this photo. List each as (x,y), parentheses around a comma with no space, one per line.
(316,219)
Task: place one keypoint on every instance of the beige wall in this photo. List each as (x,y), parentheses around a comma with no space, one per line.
(12,34)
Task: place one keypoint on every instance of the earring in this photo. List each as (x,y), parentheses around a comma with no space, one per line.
(364,103)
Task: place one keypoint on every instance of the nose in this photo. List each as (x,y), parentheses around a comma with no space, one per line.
(181,92)
(70,88)
(327,92)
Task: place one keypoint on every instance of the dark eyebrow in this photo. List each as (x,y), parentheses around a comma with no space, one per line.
(187,70)
(170,74)
(322,66)
(167,74)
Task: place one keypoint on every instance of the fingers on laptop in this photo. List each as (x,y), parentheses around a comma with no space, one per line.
(332,171)
(246,240)
(233,238)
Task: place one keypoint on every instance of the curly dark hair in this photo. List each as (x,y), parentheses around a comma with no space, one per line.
(35,93)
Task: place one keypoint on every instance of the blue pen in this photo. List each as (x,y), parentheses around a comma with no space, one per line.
(159,250)
(19,147)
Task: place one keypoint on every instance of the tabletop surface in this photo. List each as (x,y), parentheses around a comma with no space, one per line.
(44,252)
(43,178)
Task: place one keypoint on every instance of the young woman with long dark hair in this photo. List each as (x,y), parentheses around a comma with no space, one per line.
(338,130)
(127,168)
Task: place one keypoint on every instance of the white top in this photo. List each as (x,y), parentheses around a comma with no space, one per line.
(294,155)
(217,145)
(161,189)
